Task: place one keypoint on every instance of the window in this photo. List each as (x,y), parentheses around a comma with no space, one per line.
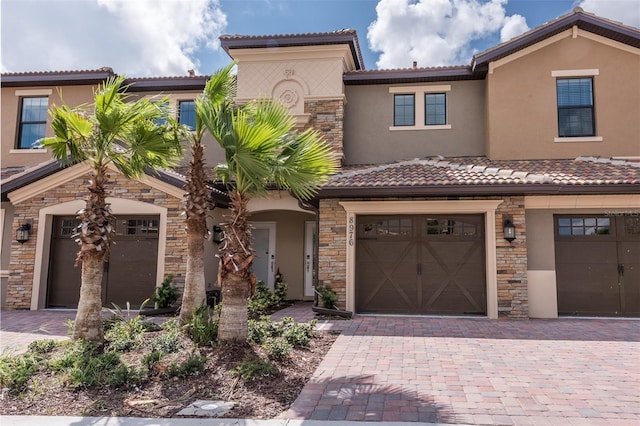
(435,112)
(33,121)
(575,107)
(187,113)
(403,110)
(583,226)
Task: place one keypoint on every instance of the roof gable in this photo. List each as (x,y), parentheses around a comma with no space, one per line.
(577,18)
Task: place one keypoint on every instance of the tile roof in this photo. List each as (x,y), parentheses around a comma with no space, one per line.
(472,172)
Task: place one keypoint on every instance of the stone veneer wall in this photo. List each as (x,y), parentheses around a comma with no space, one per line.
(511,258)
(21,269)
(327,116)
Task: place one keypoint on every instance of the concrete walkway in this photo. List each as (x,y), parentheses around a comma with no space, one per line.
(449,371)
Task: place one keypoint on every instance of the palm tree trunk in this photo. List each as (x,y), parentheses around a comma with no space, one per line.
(95,236)
(198,200)
(194,293)
(88,322)
(236,258)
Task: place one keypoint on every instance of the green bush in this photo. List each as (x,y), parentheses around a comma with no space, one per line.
(15,371)
(43,346)
(328,296)
(166,294)
(192,366)
(202,328)
(264,301)
(83,366)
(277,347)
(253,368)
(152,359)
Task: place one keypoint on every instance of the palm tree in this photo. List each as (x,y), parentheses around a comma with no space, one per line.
(198,200)
(262,151)
(133,137)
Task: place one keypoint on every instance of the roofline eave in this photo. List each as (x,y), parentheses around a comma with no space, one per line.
(476,190)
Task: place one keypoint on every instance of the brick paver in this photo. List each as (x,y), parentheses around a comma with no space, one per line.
(479,371)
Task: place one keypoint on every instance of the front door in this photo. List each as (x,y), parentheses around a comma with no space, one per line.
(264,244)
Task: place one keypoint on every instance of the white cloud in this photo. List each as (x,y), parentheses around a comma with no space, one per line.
(513,26)
(625,11)
(437,32)
(137,38)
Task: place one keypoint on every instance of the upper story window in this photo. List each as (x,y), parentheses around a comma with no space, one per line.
(187,113)
(435,110)
(575,107)
(33,121)
(420,107)
(403,110)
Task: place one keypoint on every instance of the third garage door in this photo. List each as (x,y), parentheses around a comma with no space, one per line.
(421,264)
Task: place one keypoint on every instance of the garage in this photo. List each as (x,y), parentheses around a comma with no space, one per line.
(129,274)
(421,264)
(598,265)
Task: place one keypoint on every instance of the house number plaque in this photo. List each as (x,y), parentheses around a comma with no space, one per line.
(350,229)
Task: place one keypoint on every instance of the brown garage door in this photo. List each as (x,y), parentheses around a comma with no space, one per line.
(130,273)
(424,264)
(598,265)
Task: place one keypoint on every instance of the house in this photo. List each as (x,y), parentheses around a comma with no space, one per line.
(509,187)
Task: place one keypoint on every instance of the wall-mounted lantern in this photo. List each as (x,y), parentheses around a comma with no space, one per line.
(22,233)
(218,234)
(509,229)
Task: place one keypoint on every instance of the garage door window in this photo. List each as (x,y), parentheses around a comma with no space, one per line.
(450,227)
(584,226)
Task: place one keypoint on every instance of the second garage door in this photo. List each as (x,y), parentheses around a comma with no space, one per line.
(421,264)
(130,273)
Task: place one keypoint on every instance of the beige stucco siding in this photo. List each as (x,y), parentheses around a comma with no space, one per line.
(11,157)
(369,116)
(522,106)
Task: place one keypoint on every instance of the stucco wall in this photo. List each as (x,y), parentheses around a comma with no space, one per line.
(522,105)
(71,95)
(369,114)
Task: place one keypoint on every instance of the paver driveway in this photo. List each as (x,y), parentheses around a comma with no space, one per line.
(479,371)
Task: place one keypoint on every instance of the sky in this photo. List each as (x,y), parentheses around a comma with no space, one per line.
(141,38)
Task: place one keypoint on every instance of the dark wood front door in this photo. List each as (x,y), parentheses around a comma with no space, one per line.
(130,272)
(598,265)
(422,264)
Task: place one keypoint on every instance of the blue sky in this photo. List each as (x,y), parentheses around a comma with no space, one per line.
(168,37)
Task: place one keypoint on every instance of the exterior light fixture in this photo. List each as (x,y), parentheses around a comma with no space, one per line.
(509,229)
(218,234)
(22,233)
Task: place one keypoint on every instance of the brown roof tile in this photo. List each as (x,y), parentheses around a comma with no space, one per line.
(473,171)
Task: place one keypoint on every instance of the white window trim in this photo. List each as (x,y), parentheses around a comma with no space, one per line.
(419,92)
(579,139)
(28,151)
(33,92)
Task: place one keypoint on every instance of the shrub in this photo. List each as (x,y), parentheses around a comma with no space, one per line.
(42,346)
(277,347)
(328,296)
(264,301)
(202,328)
(16,371)
(252,368)
(190,367)
(166,294)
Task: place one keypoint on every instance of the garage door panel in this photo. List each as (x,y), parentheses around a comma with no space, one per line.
(597,263)
(130,274)
(421,264)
